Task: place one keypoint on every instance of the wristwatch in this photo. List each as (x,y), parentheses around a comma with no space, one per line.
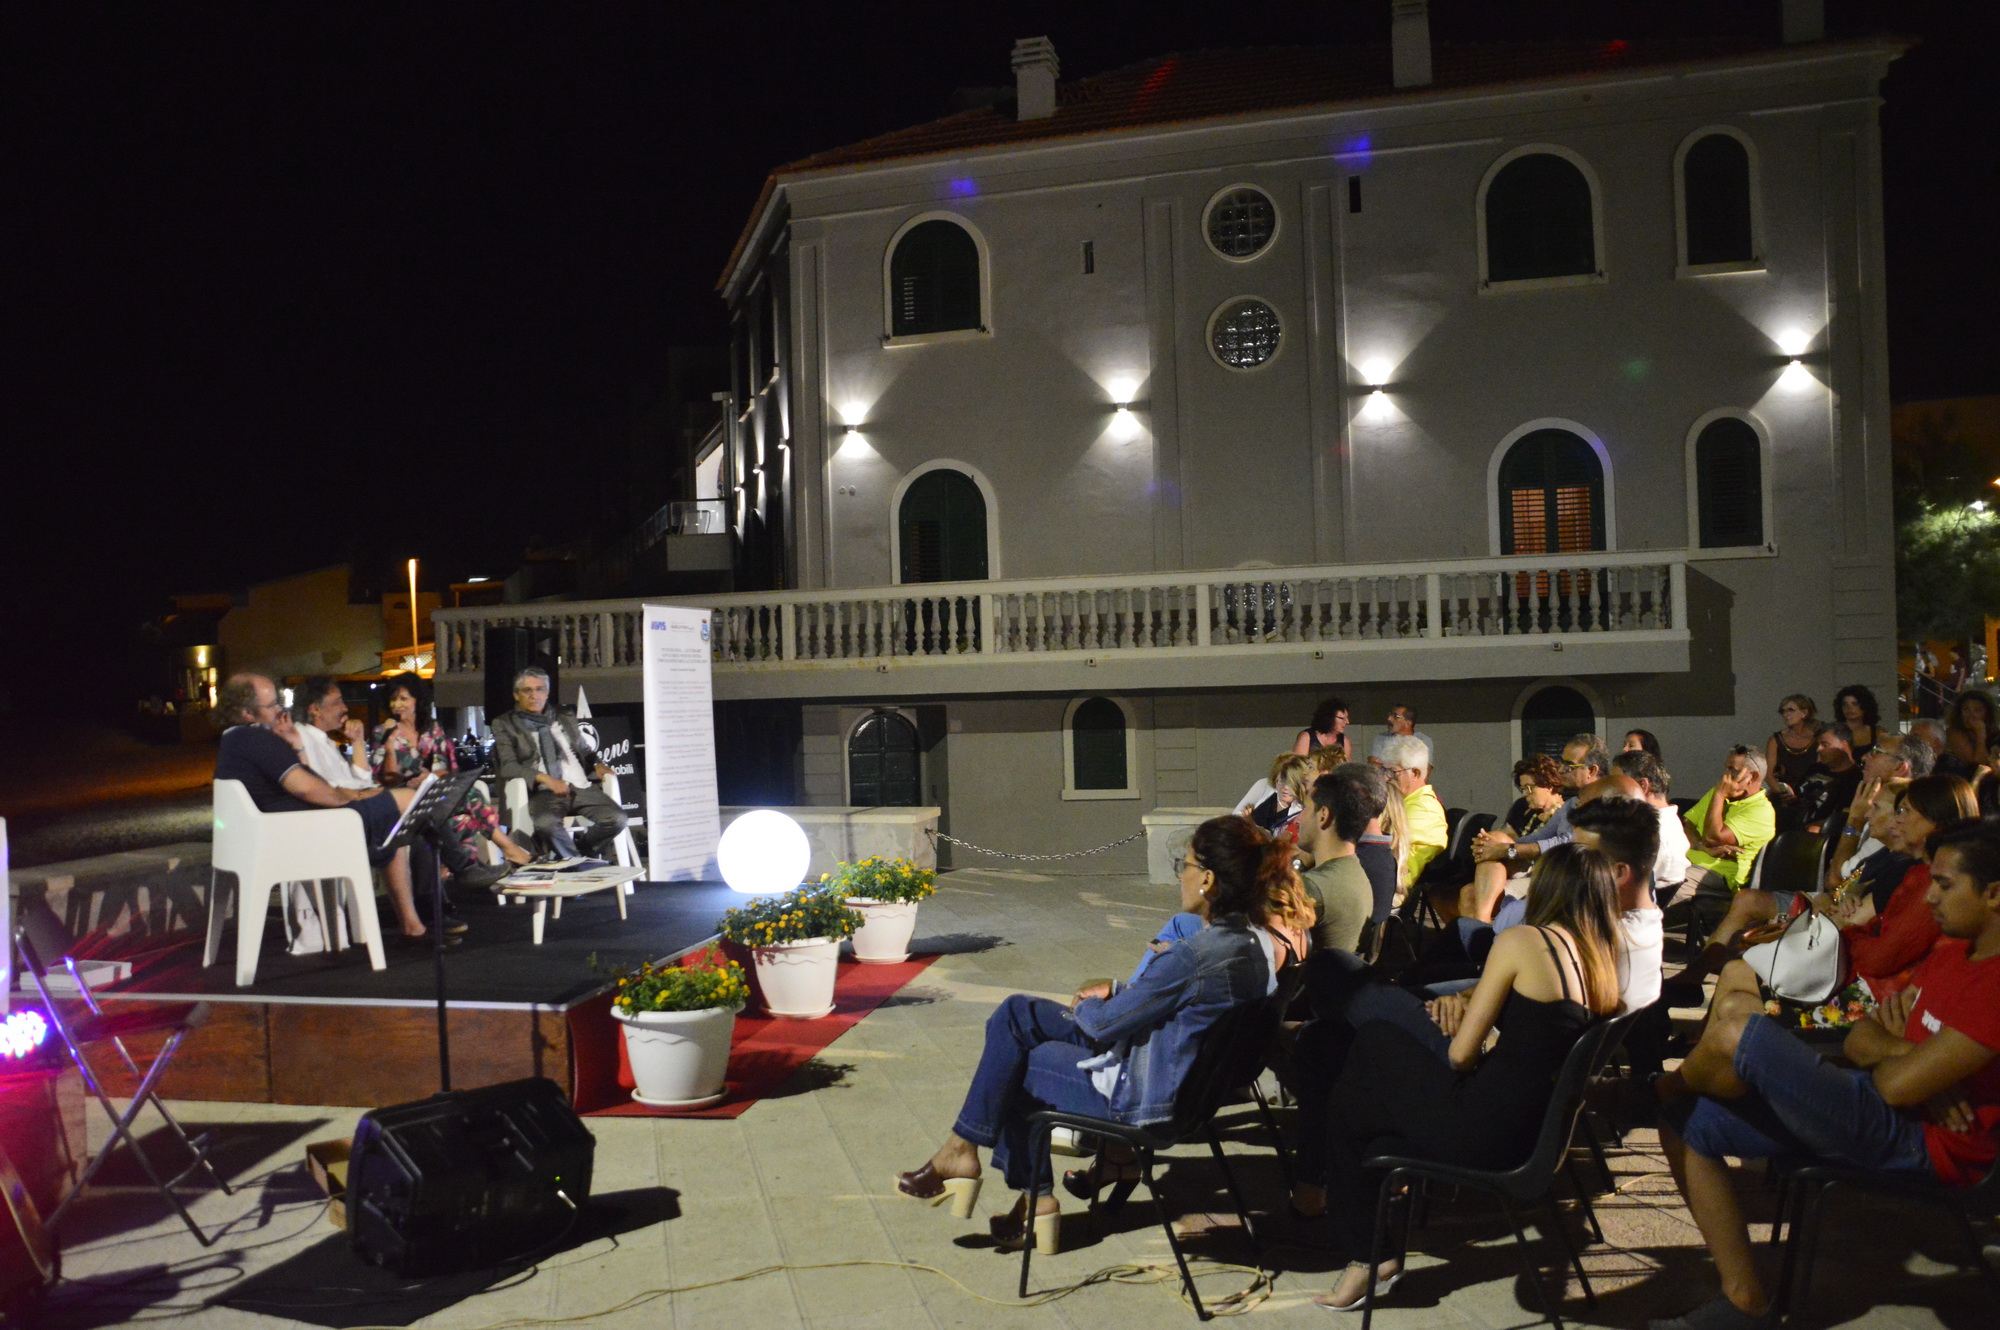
(1510,852)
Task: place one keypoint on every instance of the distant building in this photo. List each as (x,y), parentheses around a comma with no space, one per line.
(1088,441)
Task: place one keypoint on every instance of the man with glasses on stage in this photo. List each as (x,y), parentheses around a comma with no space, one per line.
(546,748)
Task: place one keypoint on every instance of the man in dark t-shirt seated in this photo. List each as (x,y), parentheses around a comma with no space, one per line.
(261,748)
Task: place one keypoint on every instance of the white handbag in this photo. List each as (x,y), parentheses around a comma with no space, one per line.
(1802,964)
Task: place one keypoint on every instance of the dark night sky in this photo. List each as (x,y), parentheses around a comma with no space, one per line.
(287,280)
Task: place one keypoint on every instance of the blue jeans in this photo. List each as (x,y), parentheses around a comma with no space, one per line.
(1176,928)
(1029,1063)
(1799,1105)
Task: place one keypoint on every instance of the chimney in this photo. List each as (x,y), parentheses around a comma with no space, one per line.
(1805,20)
(1034,78)
(1410,42)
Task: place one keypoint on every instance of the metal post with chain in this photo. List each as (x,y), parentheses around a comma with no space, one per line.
(937,835)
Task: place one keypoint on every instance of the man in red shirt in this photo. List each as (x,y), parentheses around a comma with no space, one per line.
(1922,1100)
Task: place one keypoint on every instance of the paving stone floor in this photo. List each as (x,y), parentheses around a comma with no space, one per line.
(801,1180)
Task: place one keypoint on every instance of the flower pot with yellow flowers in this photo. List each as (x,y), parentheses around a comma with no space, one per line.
(793,942)
(886,892)
(678,1021)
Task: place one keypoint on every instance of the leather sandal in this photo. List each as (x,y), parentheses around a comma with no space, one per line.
(1085,1183)
(1010,1234)
(926,1185)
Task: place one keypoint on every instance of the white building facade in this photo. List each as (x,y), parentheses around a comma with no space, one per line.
(1549,394)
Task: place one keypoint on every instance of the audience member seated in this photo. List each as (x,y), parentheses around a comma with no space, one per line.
(1642,741)
(1929,733)
(1791,754)
(1406,760)
(1500,855)
(1728,827)
(1826,793)
(1403,720)
(1378,850)
(1896,757)
(544,747)
(1881,941)
(1920,1099)
(1116,1051)
(1670,869)
(263,749)
(1383,1074)
(1335,814)
(409,745)
(1855,707)
(1540,781)
(1277,813)
(1327,730)
(1969,734)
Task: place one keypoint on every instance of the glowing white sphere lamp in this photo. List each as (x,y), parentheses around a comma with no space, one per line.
(763,853)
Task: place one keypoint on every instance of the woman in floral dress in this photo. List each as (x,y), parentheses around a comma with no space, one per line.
(411,743)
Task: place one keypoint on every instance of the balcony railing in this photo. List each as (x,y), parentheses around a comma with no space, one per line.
(1329,608)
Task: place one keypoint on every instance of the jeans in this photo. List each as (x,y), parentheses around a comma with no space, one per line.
(1028,1064)
(548,809)
(1176,928)
(1344,998)
(1800,1105)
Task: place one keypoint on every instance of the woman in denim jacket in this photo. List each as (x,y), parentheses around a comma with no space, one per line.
(1117,1051)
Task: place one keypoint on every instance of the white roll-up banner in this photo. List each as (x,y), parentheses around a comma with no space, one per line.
(683,821)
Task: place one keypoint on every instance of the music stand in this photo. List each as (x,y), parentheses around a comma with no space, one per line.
(438,798)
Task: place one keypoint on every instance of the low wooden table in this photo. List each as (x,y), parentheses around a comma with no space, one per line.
(563,888)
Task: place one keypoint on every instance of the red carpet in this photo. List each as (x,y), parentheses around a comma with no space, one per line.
(762,1054)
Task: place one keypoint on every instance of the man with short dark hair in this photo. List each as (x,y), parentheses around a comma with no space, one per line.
(1829,790)
(1403,720)
(1336,811)
(261,748)
(320,711)
(545,747)
(1499,855)
(1670,869)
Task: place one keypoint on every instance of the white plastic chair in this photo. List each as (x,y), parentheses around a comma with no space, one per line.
(264,851)
(522,827)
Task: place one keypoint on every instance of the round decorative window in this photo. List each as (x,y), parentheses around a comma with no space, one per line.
(1241,222)
(1244,333)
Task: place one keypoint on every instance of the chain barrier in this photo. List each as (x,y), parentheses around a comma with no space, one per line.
(937,835)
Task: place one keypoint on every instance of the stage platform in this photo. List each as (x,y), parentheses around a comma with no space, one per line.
(326,1029)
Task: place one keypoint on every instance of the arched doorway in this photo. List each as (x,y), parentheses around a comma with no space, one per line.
(1552,717)
(884,763)
(941,529)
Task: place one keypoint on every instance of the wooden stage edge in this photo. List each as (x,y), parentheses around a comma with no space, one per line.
(357,1053)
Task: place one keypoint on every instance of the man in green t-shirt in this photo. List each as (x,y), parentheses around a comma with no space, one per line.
(1729,826)
(1335,813)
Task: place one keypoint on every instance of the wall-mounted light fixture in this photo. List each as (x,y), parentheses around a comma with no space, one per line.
(1375,373)
(1793,342)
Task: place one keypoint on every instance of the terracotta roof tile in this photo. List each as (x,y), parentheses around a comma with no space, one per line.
(1201,85)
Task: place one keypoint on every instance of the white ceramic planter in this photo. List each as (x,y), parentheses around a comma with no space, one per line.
(795,979)
(885,938)
(678,1058)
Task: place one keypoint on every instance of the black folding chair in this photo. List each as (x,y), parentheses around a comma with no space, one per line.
(88,1023)
(1459,849)
(1802,1198)
(1232,1054)
(1530,1182)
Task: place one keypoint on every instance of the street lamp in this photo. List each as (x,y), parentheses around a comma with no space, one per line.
(414,639)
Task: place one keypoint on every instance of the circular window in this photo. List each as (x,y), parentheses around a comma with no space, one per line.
(1241,222)
(1244,333)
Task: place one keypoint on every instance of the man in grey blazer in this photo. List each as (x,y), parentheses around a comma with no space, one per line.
(546,748)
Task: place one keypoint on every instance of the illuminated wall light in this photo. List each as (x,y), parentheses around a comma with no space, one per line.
(1123,391)
(1793,342)
(1375,373)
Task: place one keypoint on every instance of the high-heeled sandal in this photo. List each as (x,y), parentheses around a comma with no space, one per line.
(1085,1183)
(1010,1235)
(924,1184)
(1383,1283)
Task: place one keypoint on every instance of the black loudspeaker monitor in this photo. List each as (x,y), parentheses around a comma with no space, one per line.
(469,1179)
(510,650)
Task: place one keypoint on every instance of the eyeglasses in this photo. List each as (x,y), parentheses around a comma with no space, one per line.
(1574,766)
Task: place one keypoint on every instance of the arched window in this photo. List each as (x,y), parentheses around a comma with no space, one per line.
(1716,213)
(1098,750)
(1540,220)
(1551,495)
(884,768)
(941,529)
(1729,484)
(934,280)
(1552,717)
